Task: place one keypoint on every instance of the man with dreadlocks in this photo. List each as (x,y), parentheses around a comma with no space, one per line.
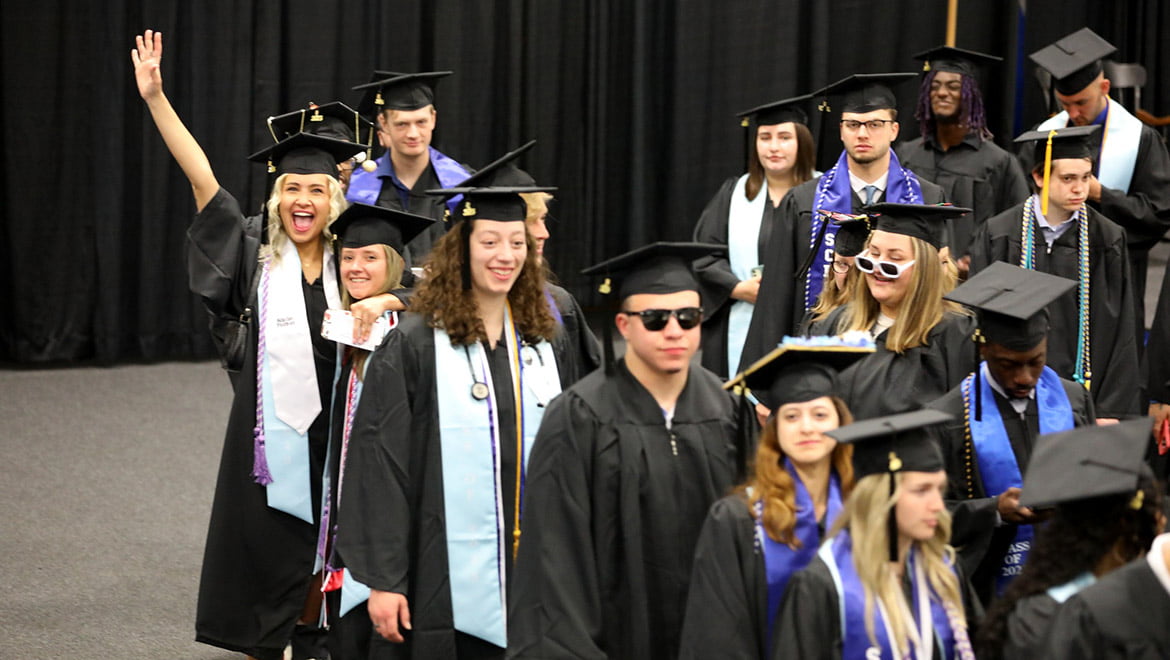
(955,150)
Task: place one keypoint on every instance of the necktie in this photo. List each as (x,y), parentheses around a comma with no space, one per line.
(870,194)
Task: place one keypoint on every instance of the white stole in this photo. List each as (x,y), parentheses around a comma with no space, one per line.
(469,437)
(743,252)
(1119,146)
(289,376)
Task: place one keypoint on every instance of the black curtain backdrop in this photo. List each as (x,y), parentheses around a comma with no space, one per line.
(632,104)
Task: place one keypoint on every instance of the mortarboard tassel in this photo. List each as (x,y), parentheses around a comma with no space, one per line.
(1047,174)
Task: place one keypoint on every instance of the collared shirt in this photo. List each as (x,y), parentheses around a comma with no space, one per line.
(1049,232)
(385,171)
(1018,405)
(1158,562)
(859,185)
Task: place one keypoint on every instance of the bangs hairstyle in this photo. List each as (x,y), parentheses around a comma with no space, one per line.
(395,264)
(802,169)
(276,235)
(771,484)
(921,309)
(866,516)
(442,299)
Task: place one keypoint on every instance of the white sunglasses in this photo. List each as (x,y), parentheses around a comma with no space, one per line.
(884,268)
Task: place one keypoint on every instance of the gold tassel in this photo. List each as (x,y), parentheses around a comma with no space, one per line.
(1139,498)
(895,462)
(1047,175)
(744,122)
(605,288)
(926,65)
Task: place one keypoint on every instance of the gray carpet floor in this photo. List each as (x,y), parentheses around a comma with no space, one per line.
(105,489)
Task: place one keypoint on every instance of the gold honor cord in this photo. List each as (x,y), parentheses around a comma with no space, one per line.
(1047,174)
(518,394)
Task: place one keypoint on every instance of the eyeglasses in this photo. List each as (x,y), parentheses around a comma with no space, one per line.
(872,125)
(885,268)
(841,266)
(656,319)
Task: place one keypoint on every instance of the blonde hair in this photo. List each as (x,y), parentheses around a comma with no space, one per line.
(276,235)
(833,296)
(922,308)
(866,516)
(395,264)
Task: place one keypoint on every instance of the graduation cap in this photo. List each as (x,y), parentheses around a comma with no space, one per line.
(800,369)
(777,112)
(493,192)
(405,91)
(955,60)
(335,119)
(1057,144)
(365,224)
(924,221)
(305,153)
(866,92)
(852,232)
(1091,461)
(888,445)
(1074,60)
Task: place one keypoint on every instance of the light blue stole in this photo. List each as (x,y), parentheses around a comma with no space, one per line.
(743,252)
(1119,146)
(472,497)
(997,462)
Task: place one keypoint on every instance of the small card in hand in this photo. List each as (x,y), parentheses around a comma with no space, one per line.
(338,326)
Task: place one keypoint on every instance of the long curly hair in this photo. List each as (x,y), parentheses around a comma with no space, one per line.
(442,299)
(922,308)
(1074,541)
(866,516)
(771,484)
(973,116)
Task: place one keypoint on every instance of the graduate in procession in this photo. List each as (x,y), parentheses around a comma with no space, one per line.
(798,258)
(371,241)
(403,104)
(1091,337)
(625,466)
(955,149)
(923,341)
(1130,182)
(886,583)
(771,526)
(277,274)
(1105,509)
(998,412)
(781,155)
(438,452)
(852,236)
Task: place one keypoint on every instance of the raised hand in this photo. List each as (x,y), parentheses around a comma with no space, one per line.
(147,59)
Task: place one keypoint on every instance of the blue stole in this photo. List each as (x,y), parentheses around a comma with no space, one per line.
(470,446)
(366,187)
(838,556)
(743,254)
(997,461)
(1063,592)
(780,560)
(835,193)
(1119,146)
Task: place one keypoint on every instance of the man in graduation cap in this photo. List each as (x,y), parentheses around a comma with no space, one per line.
(999,411)
(799,254)
(335,120)
(1092,337)
(625,465)
(403,106)
(1130,182)
(955,149)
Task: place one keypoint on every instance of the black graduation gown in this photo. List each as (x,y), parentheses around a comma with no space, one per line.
(578,335)
(391,523)
(419,203)
(258,561)
(1122,616)
(887,383)
(715,277)
(612,516)
(976,174)
(808,625)
(727,605)
(980,543)
(1143,211)
(1116,379)
(780,304)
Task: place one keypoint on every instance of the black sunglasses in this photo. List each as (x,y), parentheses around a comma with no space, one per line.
(656,319)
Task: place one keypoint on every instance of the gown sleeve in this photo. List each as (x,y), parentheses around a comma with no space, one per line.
(772,317)
(221,255)
(714,272)
(1144,210)
(808,625)
(1074,635)
(555,609)
(1117,389)
(723,618)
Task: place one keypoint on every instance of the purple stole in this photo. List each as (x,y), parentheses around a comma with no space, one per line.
(365,187)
